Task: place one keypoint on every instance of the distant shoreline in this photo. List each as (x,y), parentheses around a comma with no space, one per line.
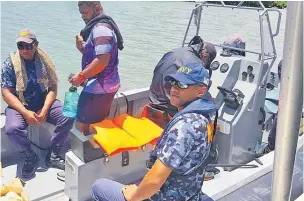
(267,4)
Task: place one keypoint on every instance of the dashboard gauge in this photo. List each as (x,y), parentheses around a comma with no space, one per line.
(224,68)
(251,77)
(249,69)
(244,75)
(215,65)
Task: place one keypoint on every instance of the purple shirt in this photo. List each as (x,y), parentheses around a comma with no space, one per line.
(102,40)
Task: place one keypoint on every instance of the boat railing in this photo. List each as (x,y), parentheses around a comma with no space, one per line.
(264,57)
(272,35)
(239,6)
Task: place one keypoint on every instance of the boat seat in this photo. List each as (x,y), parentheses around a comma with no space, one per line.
(125,133)
(272,100)
(39,135)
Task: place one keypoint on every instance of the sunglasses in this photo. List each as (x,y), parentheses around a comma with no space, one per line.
(26,46)
(180,85)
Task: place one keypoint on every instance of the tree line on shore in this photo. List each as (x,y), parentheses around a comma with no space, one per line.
(267,4)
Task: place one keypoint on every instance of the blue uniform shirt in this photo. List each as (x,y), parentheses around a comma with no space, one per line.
(185,145)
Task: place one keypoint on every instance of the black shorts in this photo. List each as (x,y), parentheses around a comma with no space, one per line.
(93,108)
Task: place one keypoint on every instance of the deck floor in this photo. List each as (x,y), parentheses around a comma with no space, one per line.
(44,183)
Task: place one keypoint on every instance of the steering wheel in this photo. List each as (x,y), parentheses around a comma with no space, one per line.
(227,93)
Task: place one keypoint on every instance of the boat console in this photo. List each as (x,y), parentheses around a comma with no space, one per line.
(235,87)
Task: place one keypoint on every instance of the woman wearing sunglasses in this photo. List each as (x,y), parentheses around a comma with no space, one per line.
(178,161)
(29,87)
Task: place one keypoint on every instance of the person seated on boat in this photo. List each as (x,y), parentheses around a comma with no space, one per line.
(197,51)
(181,154)
(235,41)
(29,87)
(273,131)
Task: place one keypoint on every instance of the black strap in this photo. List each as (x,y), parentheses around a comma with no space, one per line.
(215,124)
(197,40)
(127,101)
(125,158)
(116,108)
(85,32)
(195,52)
(198,55)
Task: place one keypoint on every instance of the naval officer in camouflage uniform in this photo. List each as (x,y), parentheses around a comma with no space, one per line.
(179,158)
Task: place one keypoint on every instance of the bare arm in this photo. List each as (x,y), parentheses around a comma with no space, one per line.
(29,116)
(12,100)
(79,43)
(152,182)
(97,65)
(102,39)
(50,98)
(8,83)
(170,158)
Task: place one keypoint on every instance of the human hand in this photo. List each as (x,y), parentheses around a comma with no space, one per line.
(128,191)
(42,115)
(31,117)
(76,80)
(79,43)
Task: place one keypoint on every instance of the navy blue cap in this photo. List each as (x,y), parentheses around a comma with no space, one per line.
(192,74)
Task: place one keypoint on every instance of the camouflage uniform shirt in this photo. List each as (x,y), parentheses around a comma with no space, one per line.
(184,146)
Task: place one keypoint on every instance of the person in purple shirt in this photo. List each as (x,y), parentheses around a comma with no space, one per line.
(98,42)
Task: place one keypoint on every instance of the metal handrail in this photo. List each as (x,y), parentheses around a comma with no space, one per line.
(262,56)
(279,20)
(264,78)
(200,4)
(241,50)
(239,6)
(187,30)
(199,20)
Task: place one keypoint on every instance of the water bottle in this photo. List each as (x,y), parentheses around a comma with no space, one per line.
(70,102)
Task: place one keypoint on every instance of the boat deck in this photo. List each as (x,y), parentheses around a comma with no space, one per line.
(46,187)
(41,187)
